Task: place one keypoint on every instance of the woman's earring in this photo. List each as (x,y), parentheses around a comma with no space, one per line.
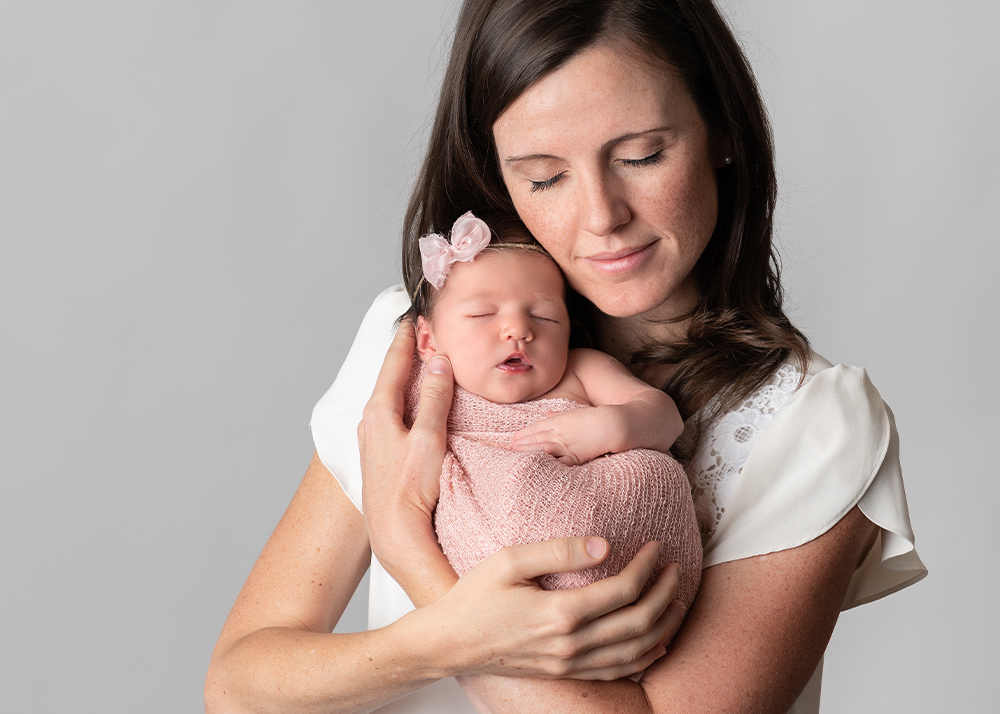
(727,159)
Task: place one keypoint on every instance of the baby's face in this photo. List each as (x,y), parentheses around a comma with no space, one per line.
(502,321)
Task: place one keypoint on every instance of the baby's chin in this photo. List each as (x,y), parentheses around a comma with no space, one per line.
(511,396)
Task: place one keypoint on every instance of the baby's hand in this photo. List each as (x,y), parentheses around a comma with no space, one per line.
(573,437)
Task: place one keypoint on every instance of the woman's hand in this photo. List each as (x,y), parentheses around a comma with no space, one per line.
(505,624)
(402,467)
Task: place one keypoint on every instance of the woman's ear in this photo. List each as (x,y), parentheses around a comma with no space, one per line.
(723,153)
(425,339)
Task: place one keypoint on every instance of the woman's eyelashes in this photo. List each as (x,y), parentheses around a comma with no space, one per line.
(548,183)
(650,160)
(653,158)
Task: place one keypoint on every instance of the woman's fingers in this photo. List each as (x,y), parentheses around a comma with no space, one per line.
(395,372)
(621,659)
(600,631)
(629,639)
(435,400)
(636,619)
(523,563)
(613,593)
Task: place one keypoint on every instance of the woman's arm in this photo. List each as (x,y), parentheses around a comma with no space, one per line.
(750,643)
(276,652)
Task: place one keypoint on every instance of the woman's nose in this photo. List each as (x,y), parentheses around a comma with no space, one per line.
(603,207)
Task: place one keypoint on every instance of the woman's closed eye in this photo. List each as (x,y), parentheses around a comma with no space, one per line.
(653,158)
(650,160)
(547,183)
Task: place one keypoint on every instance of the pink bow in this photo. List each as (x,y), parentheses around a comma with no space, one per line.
(469,236)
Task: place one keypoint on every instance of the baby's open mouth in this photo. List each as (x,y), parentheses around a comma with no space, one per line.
(516,362)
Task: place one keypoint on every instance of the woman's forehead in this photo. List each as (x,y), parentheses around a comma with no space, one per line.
(600,95)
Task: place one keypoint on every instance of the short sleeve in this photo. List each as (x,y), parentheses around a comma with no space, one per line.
(832,446)
(336,416)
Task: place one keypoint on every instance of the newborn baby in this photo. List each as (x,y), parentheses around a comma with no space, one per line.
(543,441)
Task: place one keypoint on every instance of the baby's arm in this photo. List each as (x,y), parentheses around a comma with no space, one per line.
(626,414)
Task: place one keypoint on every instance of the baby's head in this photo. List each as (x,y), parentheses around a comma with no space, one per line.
(500,318)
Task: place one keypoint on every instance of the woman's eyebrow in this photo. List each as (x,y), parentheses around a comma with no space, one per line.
(530,157)
(607,144)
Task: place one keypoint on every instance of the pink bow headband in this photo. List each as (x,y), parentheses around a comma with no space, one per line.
(469,236)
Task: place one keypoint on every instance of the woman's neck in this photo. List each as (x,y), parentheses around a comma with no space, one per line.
(622,337)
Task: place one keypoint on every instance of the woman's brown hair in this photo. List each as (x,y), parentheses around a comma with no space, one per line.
(738,333)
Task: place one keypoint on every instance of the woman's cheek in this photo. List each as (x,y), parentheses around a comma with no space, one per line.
(547,219)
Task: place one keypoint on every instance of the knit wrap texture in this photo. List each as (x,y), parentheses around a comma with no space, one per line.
(492,497)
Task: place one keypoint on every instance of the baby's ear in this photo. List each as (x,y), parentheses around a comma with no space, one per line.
(425,339)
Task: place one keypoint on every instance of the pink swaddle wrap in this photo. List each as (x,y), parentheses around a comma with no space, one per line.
(492,497)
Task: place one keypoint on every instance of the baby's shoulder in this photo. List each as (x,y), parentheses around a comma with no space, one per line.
(585,358)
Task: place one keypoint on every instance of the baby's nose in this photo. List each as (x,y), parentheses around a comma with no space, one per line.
(518,329)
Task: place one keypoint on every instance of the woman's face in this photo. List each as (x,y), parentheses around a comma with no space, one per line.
(608,163)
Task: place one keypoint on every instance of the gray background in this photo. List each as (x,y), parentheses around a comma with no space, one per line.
(198,200)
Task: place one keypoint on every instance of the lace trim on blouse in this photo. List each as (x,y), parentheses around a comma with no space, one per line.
(725,444)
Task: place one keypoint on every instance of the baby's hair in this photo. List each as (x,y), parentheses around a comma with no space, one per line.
(507,233)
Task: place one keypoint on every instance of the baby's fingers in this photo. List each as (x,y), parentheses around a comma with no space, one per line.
(549,447)
(529,434)
(530,439)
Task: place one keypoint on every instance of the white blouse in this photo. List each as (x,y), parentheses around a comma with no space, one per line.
(777,472)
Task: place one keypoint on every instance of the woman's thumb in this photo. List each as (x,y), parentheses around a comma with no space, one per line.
(435,396)
(561,555)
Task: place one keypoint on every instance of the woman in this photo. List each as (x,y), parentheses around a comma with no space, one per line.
(630,140)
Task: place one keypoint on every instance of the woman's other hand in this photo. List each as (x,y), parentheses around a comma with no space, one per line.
(506,625)
(402,467)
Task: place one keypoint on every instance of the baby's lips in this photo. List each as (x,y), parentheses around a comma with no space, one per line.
(519,356)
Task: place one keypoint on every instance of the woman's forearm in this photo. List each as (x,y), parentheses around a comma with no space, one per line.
(408,549)
(500,695)
(299,672)
(276,653)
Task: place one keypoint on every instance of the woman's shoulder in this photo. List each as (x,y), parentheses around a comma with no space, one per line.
(718,444)
(832,445)
(335,417)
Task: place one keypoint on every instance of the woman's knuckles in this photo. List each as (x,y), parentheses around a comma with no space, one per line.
(561,667)
(560,621)
(629,592)
(640,626)
(563,553)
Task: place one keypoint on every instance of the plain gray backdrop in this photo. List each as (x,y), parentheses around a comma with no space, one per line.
(198,200)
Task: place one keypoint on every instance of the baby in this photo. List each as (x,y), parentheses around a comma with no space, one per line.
(543,441)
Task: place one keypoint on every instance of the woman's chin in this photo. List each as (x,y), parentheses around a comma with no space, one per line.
(627,303)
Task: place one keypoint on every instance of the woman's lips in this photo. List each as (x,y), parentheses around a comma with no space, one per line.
(620,261)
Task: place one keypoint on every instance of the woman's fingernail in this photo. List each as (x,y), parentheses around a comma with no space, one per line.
(439,365)
(596,547)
